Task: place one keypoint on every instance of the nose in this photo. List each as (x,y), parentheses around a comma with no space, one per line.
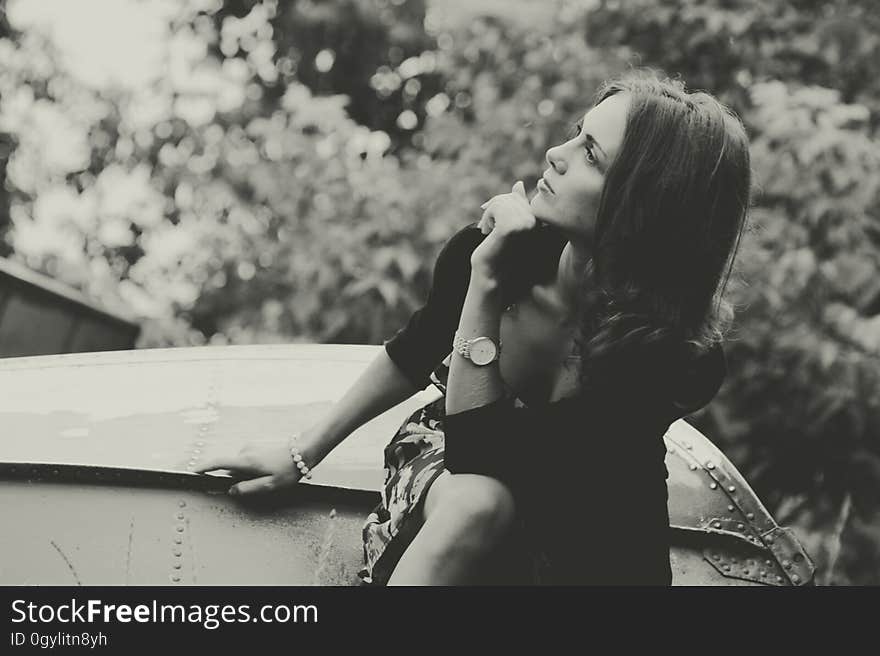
(555,159)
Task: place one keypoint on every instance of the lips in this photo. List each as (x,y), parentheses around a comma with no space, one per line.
(547,184)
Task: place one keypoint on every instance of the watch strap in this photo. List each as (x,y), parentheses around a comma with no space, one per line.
(462,346)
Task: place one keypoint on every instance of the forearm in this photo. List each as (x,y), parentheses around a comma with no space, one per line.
(470,386)
(380,387)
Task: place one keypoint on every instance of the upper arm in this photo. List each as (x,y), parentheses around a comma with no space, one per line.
(426,339)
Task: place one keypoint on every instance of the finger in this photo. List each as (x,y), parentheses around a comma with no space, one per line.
(520,189)
(232,461)
(487,222)
(222,461)
(254,486)
(489,202)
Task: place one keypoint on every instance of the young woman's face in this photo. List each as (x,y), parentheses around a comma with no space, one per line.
(568,193)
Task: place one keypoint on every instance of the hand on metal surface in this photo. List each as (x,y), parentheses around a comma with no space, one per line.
(268,464)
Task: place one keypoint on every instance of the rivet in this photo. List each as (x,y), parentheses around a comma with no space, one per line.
(178,553)
(178,541)
(769,539)
(768,563)
(750,515)
(713,485)
(716,524)
(180,529)
(179,515)
(200,443)
(740,527)
(671,450)
(196,452)
(176,565)
(175,578)
(726,568)
(762,573)
(689,447)
(716,557)
(786,564)
(745,572)
(795,578)
(693,467)
(730,508)
(709,465)
(731,489)
(779,579)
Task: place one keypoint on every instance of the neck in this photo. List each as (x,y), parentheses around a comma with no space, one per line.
(570,275)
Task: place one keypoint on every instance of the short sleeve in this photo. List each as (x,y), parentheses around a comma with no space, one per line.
(426,339)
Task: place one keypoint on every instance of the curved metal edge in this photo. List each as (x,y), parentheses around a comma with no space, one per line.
(54,473)
(305,351)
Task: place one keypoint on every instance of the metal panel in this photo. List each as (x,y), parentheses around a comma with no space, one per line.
(145,418)
(108,528)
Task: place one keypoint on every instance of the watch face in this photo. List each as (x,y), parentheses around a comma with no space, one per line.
(482,351)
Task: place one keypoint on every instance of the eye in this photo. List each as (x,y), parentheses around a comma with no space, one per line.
(591,157)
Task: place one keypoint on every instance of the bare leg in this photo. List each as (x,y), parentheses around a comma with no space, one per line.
(466,517)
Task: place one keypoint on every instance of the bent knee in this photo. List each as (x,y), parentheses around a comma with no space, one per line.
(480,502)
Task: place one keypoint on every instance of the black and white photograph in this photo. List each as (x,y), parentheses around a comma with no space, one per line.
(301,294)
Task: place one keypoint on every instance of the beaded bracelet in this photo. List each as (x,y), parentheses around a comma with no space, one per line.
(304,470)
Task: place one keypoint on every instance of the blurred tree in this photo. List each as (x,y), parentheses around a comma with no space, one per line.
(7,145)
(367,50)
(723,45)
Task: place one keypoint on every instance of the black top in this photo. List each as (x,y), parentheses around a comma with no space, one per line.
(587,472)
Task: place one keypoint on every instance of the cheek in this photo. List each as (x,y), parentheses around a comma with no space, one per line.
(584,198)
(591,184)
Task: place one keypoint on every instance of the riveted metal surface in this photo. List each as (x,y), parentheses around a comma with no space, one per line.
(745,564)
(711,486)
(119,433)
(796,564)
(707,493)
(77,533)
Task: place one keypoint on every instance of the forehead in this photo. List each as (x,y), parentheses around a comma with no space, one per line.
(606,122)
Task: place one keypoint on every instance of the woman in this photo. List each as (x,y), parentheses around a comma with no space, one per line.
(582,322)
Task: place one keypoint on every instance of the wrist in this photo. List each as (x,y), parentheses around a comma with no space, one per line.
(310,445)
(484,284)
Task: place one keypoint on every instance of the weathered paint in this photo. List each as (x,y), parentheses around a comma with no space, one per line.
(120,433)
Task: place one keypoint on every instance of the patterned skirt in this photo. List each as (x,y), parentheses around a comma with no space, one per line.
(413,460)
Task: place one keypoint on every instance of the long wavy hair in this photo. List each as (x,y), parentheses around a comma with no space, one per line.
(669,222)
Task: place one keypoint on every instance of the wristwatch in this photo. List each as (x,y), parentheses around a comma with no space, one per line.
(479,350)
